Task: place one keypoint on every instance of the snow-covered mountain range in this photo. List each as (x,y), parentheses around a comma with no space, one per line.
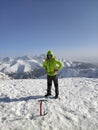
(31,67)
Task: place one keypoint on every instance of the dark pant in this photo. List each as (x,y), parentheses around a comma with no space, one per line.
(49,84)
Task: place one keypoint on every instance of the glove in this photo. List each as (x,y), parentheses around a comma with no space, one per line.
(56,70)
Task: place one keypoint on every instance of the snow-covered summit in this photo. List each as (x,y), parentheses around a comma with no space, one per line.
(77,108)
(25,58)
(18,66)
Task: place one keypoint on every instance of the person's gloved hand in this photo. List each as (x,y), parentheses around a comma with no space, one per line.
(56,70)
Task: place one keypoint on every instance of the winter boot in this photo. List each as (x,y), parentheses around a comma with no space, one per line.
(56,96)
(48,94)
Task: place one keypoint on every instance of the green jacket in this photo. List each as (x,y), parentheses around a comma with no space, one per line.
(52,65)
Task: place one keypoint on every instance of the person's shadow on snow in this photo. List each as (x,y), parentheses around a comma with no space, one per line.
(8,99)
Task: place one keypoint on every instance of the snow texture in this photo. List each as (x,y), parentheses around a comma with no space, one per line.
(76,108)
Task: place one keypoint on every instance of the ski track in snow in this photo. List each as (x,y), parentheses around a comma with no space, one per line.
(77,108)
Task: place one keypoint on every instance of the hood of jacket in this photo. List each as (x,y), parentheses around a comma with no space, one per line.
(50,53)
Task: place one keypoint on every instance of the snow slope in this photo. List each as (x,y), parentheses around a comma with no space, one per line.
(77,108)
(21,66)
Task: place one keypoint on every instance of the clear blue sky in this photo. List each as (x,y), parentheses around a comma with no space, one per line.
(68,27)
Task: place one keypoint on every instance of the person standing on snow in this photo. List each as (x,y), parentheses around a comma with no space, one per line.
(52,66)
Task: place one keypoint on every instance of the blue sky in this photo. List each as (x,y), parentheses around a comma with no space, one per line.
(68,27)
